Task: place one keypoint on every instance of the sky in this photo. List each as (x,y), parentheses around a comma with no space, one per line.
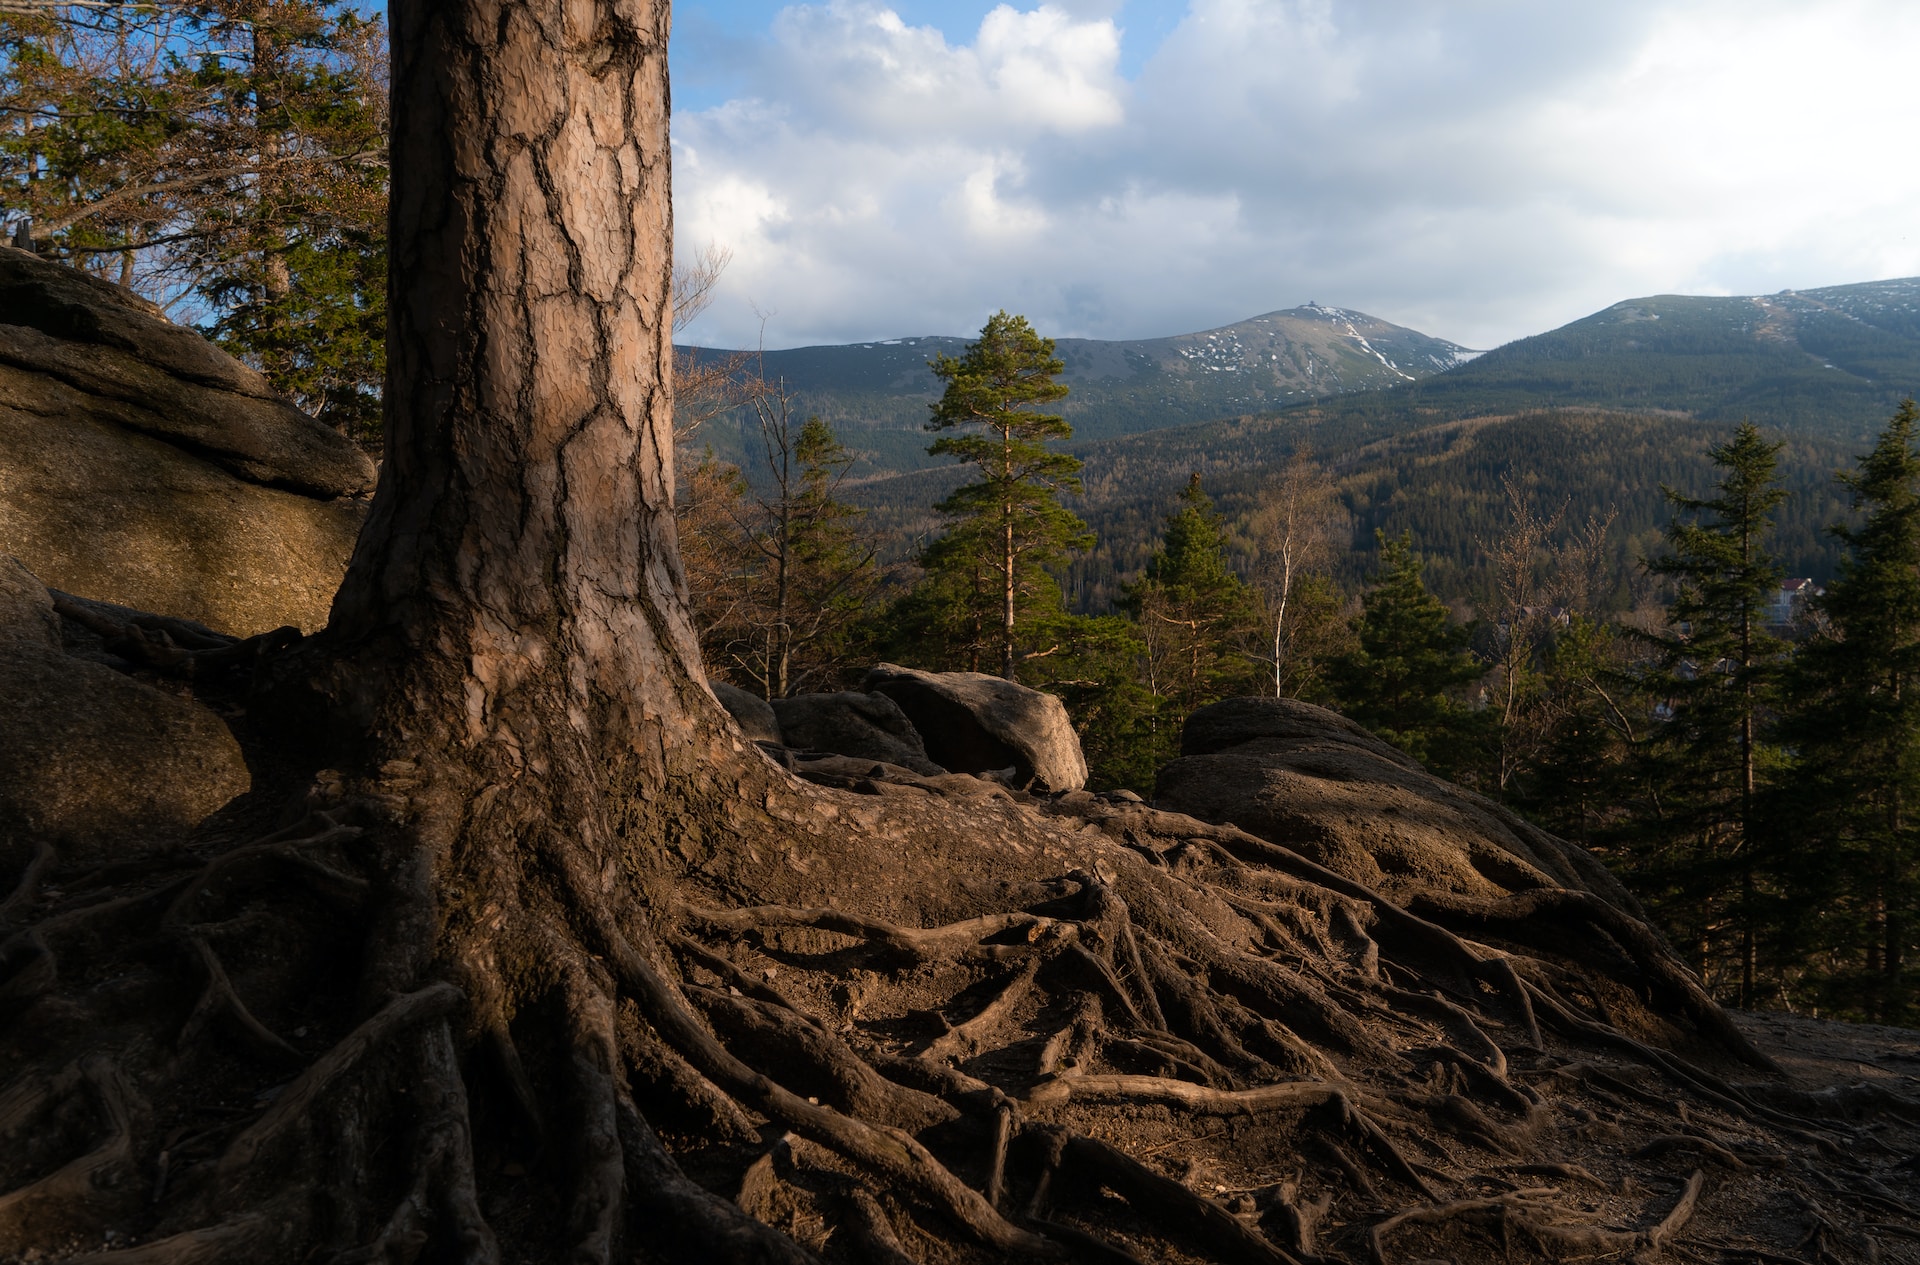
(1479,170)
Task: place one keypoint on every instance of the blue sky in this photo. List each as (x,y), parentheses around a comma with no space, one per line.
(714,40)
(1478,169)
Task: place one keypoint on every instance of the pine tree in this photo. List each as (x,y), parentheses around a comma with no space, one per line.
(1715,670)
(1196,616)
(1410,660)
(1854,722)
(230,154)
(1012,523)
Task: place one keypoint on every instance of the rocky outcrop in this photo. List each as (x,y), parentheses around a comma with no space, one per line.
(93,762)
(973,723)
(749,711)
(141,465)
(1314,781)
(860,726)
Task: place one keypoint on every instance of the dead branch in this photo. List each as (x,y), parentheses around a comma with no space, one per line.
(1197,1098)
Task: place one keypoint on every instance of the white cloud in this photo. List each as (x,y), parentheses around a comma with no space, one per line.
(1478,170)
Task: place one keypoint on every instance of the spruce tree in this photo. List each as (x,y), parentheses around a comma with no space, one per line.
(1714,672)
(1410,659)
(1012,525)
(1196,616)
(1854,722)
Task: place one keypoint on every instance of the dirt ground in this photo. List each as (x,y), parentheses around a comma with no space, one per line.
(1820,1053)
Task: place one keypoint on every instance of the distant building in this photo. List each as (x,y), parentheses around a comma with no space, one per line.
(1789,601)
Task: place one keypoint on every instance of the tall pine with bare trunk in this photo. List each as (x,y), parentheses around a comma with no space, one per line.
(1012,525)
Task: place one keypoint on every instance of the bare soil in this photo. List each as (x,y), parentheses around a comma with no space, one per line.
(864,1016)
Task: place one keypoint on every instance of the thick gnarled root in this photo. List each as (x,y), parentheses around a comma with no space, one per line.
(1192,1046)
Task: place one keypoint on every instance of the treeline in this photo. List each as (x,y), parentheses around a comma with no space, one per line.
(1743,764)
(1443,483)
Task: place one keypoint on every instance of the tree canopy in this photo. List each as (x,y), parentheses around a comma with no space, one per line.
(1011,526)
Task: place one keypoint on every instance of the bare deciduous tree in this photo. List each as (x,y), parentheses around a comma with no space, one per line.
(1298,526)
(792,569)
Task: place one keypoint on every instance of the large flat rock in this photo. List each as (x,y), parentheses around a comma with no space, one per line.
(974,723)
(141,465)
(1314,781)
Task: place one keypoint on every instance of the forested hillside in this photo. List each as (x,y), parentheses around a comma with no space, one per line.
(1833,361)
(876,394)
(1441,482)
(1596,415)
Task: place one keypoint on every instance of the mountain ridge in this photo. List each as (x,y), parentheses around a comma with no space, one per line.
(875,393)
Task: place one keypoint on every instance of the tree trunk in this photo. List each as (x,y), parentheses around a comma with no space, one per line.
(1007,559)
(521,548)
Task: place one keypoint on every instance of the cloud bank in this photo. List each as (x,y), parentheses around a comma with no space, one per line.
(1479,171)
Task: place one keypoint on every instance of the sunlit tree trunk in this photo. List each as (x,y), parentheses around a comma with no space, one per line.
(518,582)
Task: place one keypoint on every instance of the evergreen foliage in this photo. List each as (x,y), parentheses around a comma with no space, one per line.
(1576,781)
(1853,721)
(225,158)
(1098,671)
(1199,620)
(1714,673)
(1403,676)
(1011,526)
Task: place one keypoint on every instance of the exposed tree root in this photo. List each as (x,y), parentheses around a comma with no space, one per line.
(26,1213)
(1209,1224)
(1184,1045)
(219,998)
(28,887)
(1518,1214)
(164,644)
